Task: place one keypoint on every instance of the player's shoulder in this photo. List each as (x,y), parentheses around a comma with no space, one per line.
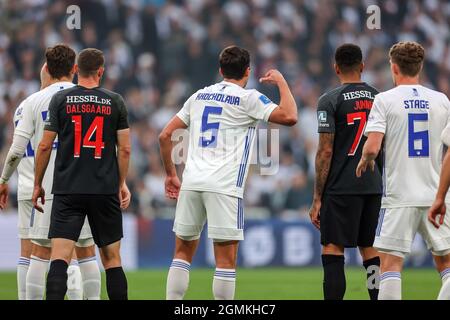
(63,92)
(331,95)
(435,93)
(371,88)
(391,94)
(110,93)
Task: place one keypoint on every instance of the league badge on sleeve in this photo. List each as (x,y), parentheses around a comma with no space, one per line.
(264,99)
(322,119)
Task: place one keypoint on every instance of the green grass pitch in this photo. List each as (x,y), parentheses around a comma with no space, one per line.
(264,283)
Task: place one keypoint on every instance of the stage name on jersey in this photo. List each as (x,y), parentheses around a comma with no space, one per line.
(220,97)
(416,104)
(90,98)
(358,94)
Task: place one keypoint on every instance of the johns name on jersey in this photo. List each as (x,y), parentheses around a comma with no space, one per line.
(219,97)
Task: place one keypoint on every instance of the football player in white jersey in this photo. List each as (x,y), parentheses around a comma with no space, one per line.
(57,74)
(410,119)
(222,121)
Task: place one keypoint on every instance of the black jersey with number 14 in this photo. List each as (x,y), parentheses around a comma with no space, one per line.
(86,121)
(344,112)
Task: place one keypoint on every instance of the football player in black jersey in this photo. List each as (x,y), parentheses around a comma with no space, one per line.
(90,170)
(345,209)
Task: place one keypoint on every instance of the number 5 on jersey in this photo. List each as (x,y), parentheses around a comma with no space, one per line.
(97,128)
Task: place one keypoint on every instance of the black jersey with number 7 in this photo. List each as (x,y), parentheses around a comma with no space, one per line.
(344,112)
(86,121)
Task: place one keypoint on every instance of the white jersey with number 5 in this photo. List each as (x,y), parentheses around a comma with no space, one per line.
(412,117)
(29,123)
(222,121)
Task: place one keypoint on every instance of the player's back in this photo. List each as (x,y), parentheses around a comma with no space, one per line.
(29,121)
(415,117)
(87,121)
(343,112)
(222,121)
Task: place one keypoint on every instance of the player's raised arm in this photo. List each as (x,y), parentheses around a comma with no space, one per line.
(172,184)
(286,112)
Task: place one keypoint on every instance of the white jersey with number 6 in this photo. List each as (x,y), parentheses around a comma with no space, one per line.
(222,121)
(412,117)
(29,121)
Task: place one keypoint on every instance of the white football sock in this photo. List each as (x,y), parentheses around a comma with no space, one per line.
(177,279)
(224,284)
(444,294)
(36,278)
(390,286)
(90,273)
(74,286)
(22,270)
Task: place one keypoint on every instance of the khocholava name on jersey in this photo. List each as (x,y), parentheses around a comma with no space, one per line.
(220,97)
(357,95)
(416,104)
(88,108)
(87,98)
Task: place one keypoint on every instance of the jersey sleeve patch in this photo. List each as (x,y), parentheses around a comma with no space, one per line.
(322,117)
(264,99)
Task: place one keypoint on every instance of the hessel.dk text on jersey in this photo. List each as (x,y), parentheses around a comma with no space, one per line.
(358,95)
(88,98)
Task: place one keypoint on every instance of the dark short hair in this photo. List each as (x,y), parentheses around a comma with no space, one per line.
(234,61)
(348,57)
(89,61)
(408,56)
(60,60)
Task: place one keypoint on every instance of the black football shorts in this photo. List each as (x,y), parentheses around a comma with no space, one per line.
(349,220)
(103,212)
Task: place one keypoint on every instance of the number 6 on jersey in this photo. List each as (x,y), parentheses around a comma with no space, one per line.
(97,128)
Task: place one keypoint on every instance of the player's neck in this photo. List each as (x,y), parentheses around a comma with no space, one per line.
(240,83)
(350,79)
(88,82)
(53,81)
(401,80)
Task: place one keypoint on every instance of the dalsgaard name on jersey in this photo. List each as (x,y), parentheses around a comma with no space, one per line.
(222,121)
(412,117)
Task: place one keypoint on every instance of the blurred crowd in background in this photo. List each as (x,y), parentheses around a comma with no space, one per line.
(158,52)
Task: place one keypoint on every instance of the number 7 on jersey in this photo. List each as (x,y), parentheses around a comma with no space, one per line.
(351,118)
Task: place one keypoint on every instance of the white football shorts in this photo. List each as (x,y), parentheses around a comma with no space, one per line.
(397,228)
(38,224)
(224,214)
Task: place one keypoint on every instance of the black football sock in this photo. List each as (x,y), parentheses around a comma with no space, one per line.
(116,284)
(373,276)
(57,280)
(334,277)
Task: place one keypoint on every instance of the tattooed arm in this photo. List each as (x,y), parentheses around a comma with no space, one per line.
(323,163)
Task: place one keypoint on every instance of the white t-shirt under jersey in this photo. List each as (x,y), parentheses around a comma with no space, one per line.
(29,121)
(412,117)
(222,121)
